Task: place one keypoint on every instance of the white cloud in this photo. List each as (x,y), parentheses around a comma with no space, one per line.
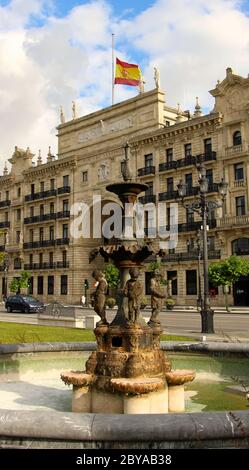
(69,58)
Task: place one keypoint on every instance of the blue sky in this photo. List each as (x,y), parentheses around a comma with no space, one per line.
(56,51)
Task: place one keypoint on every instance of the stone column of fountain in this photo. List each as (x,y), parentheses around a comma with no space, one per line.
(128,373)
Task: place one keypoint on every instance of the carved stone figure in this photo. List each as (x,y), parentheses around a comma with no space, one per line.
(100,296)
(74,113)
(141,85)
(157,77)
(103,172)
(125,169)
(133,290)
(62,115)
(157,295)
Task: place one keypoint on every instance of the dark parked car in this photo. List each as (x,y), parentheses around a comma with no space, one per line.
(24,303)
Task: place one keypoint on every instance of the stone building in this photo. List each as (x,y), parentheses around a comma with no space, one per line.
(165,144)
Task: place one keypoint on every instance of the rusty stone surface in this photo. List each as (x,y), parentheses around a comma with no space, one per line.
(77,378)
(180,377)
(138,386)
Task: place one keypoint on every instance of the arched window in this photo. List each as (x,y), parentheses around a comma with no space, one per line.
(237,138)
(240,246)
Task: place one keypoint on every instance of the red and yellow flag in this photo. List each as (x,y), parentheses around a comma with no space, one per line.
(127,74)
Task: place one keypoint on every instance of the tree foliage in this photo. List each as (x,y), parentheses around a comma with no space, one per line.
(112,275)
(228,271)
(21,282)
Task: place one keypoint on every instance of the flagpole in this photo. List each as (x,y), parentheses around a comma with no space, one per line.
(113,69)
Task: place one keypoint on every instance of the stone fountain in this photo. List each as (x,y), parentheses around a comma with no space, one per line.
(129,373)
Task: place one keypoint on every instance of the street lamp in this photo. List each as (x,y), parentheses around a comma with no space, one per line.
(203,206)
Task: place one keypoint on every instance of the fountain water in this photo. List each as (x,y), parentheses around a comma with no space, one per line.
(128,373)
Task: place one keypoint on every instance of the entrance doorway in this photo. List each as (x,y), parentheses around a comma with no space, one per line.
(241,292)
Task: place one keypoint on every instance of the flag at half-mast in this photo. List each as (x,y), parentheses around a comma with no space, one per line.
(127,74)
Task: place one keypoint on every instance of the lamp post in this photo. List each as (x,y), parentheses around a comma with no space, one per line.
(203,206)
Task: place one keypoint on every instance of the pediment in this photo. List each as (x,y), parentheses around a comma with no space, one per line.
(232,94)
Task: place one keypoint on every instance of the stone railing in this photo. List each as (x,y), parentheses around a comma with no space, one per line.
(233,220)
(236,149)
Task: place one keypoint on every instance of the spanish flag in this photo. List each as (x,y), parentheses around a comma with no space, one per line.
(127,74)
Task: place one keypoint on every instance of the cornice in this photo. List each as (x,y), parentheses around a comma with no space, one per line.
(51,168)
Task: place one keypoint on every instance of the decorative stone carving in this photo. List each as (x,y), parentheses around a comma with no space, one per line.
(133,290)
(157,295)
(103,172)
(157,77)
(100,296)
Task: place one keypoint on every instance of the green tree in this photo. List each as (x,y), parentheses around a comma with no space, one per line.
(112,277)
(225,273)
(21,282)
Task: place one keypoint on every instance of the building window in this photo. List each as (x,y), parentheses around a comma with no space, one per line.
(189,216)
(40,259)
(41,234)
(50,285)
(40,285)
(6,216)
(239,171)
(148,160)
(31,259)
(52,183)
(65,231)
(31,211)
(170,185)
(66,180)
(65,205)
(169,155)
(209,175)
(211,243)
(240,205)
(17,263)
(7,195)
(18,236)
(187,150)
(172,276)
(149,191)
(31,236)
(190,245)
(148,276)
(207,146)
(51,259)
(51,233)
(237,138)
(51,208)
(189,181)
(18,215)
(31,285)
(19,192)
(32,188)
(42,210)
(240,246)
(191,282)
(42,186)
(84,176)
(64,258)
(63,284)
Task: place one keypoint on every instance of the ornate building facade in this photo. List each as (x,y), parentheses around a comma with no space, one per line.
(38,199)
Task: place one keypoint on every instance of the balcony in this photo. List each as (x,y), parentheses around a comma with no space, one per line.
(147,170)
(40,195)
(63,190)
(230,222)
(5,224)
(196,225)
(236,150)
(188,256)
(147,198)
(34,266)
(63,215)
(167,195)
(62,264)
(62,241)
(239,184)
(187,161)
(40,218)
(5,203)
(2,248)
(38,244)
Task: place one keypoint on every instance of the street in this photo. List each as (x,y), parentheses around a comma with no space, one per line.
(227,325)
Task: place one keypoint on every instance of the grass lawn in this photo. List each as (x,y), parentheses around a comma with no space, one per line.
(24,333)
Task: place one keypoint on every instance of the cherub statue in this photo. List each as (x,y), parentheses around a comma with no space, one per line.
(157,295)
(100,296)
(133,290)
(157,77)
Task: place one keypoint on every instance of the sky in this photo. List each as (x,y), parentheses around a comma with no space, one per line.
(56,51)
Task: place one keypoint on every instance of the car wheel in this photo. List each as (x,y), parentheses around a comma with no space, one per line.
(9,309)
(26,310)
